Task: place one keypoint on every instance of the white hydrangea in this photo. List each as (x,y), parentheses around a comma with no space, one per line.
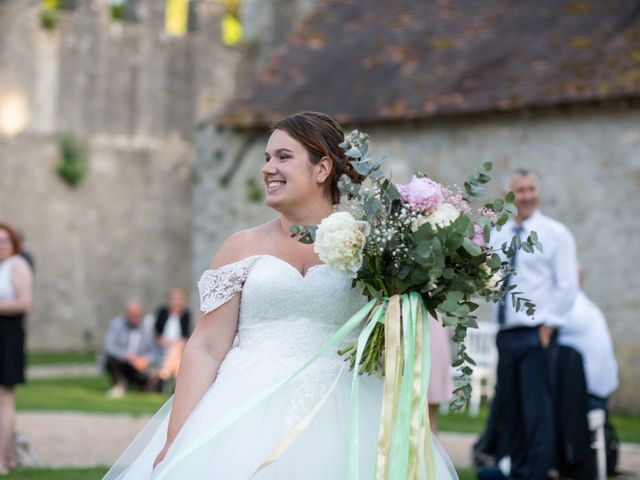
(340,241)
(444,215)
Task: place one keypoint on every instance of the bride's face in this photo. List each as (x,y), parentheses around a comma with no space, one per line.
(288,175)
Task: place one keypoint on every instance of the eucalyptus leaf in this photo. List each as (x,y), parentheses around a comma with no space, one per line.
(471,248)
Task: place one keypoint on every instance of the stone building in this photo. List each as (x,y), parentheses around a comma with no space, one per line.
(444,86)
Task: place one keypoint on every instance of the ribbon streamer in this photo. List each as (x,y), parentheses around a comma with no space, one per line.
(405,449)
(252,403)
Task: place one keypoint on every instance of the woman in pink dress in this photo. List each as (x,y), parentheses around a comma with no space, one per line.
(441,381)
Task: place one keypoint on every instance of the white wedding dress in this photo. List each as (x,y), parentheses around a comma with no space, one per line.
(284,319)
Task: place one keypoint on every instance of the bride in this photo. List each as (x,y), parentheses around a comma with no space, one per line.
(267,305)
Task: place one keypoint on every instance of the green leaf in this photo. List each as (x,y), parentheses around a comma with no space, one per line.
(510,197)
(423,249)
(498,205)
(510,208)
(354,153)
(487,166)
(471,248)
(494,262)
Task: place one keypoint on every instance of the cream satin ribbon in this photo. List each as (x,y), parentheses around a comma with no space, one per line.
(392,378)
(299,428)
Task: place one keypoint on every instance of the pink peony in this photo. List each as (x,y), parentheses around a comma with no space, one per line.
(421,194)
(478,237)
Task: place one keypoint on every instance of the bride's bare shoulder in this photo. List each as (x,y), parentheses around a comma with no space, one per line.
(243,244)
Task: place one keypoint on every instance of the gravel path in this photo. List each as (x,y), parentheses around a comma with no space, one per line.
(72,439)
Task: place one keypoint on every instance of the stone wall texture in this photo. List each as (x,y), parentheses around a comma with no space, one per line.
(133,96)
(589,163)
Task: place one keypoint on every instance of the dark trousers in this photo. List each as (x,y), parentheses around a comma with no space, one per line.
(526,376)
(122,371)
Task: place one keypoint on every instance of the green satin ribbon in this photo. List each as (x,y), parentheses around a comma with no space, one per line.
(411,447)
(353,466)
(249,405)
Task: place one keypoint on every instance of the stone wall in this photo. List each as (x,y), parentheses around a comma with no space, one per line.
(588,158)
(133,96)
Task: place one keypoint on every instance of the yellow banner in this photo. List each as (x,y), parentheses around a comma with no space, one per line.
(51,4)
(176,20)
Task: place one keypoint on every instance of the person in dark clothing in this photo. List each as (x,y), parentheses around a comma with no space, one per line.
(172,326)
(16,294)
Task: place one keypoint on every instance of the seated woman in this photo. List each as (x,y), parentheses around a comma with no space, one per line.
(172,331)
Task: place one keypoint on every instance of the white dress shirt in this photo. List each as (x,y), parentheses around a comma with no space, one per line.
(586,331)
(549,278)
(172,330)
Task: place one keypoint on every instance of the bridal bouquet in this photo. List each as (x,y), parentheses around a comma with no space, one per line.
(414,249)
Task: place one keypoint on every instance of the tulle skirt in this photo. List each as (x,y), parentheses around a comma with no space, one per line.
(236,453)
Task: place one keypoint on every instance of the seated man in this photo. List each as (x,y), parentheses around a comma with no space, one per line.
(129,350)
(586,330)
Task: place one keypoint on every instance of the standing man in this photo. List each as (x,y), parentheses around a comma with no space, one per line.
(129,350)
(527,345)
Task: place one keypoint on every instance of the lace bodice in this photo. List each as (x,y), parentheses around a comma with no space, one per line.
(281,308)
(284,318)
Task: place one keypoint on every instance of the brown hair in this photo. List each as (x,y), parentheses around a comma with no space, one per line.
(321,136)
(13,236)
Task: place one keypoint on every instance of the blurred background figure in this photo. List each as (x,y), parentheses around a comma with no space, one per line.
(587,332)
(172,325)
(129,350)
(24,250)
(527,345)
(15,301)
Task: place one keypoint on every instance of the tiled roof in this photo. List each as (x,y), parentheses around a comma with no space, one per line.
(387,60)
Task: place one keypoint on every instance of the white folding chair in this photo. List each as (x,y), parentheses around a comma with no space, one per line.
(481,346)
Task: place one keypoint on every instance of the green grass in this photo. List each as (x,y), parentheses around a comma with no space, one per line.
(56,358)
(85,394)
(627,426)
(58,474)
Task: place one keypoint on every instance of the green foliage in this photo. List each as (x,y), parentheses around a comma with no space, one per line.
(73,165)
(49,19)
(409,249)
(307,233)
(255,192)
(118,11)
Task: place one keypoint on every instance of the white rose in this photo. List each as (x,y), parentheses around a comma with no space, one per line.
(444,215)
(340,240)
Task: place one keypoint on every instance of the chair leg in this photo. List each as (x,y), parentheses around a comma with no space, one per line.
(596,423)
(476,396)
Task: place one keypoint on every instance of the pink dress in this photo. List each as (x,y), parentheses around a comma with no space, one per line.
(441,380)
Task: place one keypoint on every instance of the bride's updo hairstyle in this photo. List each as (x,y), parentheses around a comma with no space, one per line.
(321,136)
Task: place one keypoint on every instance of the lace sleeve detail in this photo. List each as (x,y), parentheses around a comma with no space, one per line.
(218,286)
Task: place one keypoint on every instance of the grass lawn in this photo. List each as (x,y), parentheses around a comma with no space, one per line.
(58,474)
(86,394)
(57,358)
(627,426)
